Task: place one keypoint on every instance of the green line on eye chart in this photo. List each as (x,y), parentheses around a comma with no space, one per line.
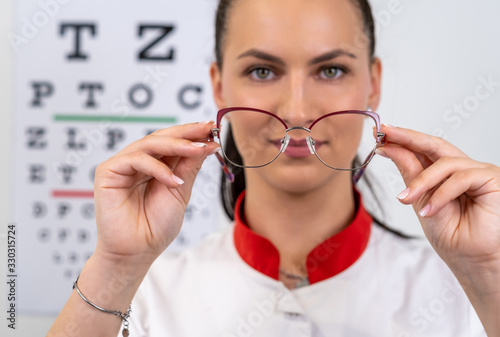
(116,119)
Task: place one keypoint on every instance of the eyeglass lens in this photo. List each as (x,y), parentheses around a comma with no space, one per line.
(261,137)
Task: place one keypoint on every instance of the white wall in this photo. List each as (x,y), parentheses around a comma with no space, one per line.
(5,142)
(435,54)
(28,325)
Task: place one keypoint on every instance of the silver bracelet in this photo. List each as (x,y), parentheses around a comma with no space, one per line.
(118,313)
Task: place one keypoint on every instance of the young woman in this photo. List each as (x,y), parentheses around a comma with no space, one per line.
(303,257)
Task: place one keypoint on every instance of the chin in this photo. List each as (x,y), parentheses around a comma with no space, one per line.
(301,179)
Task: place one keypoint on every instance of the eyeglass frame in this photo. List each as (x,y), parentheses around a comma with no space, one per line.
(379,141)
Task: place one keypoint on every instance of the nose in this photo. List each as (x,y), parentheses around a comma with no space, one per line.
(296,107)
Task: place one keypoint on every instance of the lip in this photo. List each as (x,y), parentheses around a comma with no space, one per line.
(297,148)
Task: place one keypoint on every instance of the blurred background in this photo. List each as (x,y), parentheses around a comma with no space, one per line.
(81,79)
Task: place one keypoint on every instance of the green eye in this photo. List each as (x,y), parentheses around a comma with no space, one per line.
(262,73)
(331,72)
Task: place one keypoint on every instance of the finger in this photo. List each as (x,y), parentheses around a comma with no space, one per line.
(122,171)
(430,146)
(435,175)
(210,149)
(161,145)
(469,181)
(406,161)
(191,131)
(187,169)
(426,162)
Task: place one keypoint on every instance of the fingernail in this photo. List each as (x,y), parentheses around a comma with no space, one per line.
(381,153)
(404,194)
(388,125)
(199,144)
(424,211)
(177,179)
(206,122)
(214,151)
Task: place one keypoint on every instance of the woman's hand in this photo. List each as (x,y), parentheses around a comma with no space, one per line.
(457,200)
(140,195)
(142,192)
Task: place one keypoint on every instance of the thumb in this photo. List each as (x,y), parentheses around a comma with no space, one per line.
(410,164)
(187,168)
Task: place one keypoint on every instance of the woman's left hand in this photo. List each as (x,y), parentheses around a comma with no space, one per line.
(457,199)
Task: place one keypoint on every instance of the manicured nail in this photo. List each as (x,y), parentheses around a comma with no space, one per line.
(214,151)
(177,179)
(388,125)
(199,144)
(206,122)
(381,153)
(424,211)
(404,194)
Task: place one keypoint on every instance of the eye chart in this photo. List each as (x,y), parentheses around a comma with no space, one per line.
(91,77)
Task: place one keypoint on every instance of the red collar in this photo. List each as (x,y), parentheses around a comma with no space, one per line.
(330,258)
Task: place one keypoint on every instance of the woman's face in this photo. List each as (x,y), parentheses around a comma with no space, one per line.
(299,59)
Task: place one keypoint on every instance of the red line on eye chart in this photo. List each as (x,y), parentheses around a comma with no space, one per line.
(72,194)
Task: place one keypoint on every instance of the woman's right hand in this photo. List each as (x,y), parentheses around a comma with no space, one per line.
(139,207)
(141,193)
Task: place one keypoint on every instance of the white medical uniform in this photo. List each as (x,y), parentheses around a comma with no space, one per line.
(227,287)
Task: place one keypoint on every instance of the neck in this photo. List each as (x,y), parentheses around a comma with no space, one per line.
(297,222)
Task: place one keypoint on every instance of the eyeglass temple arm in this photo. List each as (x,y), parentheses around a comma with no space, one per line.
(227,173)
(381,140)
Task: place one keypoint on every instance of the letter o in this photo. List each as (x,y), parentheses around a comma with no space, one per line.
(140,102)
(383,17)
(104,296)
(255,319)
(436,307)
(471,103)
(311,264)
(211,189)
(44,19)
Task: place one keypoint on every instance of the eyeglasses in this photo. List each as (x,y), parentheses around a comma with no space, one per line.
(261,137)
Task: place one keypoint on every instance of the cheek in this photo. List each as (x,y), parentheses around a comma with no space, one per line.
(352,94)
(253,133)
(256,130)
(240,91)
(342,135)
(339,129)
(234,91)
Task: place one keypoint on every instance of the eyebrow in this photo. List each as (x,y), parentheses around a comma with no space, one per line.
(262,55)
(331,55)
(271,58)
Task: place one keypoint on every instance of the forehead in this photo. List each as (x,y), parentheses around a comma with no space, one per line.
(301,25)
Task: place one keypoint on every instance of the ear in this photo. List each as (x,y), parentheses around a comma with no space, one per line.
(376,78)
(216,78)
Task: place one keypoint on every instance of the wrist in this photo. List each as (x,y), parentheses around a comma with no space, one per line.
(481,287)
(480,283)
(479,278)
(111,283)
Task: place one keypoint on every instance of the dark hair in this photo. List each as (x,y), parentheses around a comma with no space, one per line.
(231,191)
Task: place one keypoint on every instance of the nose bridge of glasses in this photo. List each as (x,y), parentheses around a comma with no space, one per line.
(298,128)
(309,141)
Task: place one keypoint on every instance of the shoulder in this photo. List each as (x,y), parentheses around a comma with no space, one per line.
(422,289)
(178,280)
(410,265)
(398,252)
